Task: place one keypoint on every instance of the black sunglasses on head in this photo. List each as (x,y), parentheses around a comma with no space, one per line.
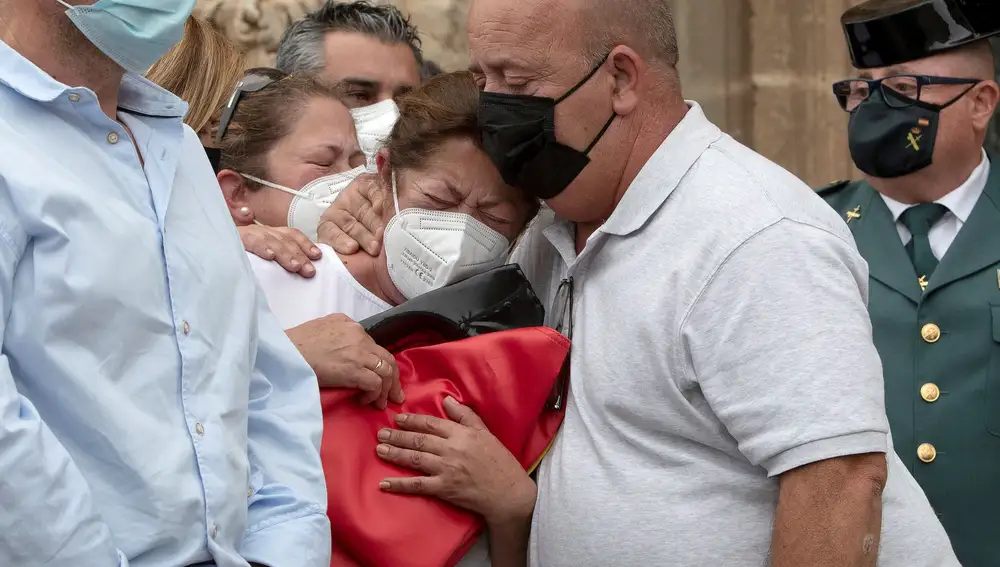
(254,80)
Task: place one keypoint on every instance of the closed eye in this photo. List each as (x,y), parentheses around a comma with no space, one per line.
(496,219)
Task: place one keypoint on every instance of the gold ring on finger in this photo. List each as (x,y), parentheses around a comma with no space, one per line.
(377,366)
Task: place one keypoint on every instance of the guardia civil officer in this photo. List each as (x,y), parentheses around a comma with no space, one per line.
(926,217)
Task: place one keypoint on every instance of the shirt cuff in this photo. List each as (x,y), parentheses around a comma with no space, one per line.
(298,542)
(853,444)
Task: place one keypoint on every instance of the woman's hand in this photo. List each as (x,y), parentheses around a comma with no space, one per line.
(344,356)
(291,249)
(464,464)
(355,217)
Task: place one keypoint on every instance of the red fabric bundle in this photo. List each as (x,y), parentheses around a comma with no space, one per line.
(505,377)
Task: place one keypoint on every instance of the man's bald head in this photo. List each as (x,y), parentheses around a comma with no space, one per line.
(645,25)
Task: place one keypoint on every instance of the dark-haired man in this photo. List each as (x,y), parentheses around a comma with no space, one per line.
(926,217)
(372,48)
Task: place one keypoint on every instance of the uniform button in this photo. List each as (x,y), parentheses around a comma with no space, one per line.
(930,333)
(187,328)
(930,392)
(926,452)
(73,97)
(113,138)
(199,429)
(215,531)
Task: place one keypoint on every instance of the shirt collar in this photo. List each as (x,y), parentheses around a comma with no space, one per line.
(663,172)
(137,94)
(959,202)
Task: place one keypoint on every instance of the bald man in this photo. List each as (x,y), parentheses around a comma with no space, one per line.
(926,217)
(725,405)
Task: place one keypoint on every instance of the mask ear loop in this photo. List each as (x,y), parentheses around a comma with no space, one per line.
(584,80)
(395,195)
(275,186)
(600,134)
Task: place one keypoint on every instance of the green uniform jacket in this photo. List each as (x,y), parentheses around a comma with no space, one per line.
(940,350)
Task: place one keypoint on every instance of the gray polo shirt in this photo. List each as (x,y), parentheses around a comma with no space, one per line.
(721,338)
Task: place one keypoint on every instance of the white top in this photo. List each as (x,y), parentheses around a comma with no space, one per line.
(296,300)
(721,338)
(959,202)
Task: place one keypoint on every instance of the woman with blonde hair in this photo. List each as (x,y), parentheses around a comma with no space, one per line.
(203,68)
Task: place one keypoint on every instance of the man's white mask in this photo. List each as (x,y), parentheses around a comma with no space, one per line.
(374,124)
(427,250)
(311,201)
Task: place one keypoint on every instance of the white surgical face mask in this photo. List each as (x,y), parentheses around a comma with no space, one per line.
(311,201)
(374,124)
(426,250)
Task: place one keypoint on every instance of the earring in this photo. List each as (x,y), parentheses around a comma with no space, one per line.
(244,211)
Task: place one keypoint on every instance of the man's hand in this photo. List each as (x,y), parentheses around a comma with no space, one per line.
(354,218)
(830,513)
(344,356)
(464,465)
(286,246)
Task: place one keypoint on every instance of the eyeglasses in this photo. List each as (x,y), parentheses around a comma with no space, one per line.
(899,91)
(255,80)
(560,318)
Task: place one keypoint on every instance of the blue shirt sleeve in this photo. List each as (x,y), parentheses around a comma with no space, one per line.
(287,522)
(47,514)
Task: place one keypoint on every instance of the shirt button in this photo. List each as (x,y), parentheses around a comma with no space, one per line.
(930,392)
(113,138)
(931,333)
(926,452)
(187,328)
(199,429)
(215,531)
(73,97)
(250,492)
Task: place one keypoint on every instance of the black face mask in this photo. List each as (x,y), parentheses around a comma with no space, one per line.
(519,135)
(214,157)
(889,142)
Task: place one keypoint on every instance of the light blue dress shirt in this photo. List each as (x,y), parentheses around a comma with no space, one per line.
(152,411)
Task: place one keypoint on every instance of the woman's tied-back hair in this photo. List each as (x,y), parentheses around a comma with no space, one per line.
(265,117)
(441,109)
(201,69)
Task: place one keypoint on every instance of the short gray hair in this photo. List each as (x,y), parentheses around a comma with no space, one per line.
(648,22)
(301,48)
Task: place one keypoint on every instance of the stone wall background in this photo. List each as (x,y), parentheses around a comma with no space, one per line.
(257,25)
(762,69)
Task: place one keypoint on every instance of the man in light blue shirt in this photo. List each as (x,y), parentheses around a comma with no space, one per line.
(152,412)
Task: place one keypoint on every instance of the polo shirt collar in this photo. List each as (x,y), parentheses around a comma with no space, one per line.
(137,94)
(663,172)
